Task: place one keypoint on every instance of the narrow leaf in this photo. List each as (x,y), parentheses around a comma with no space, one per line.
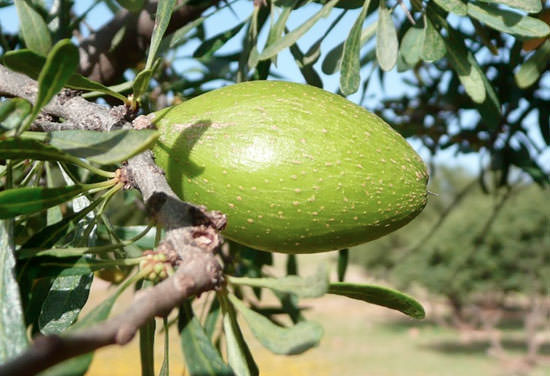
(343,261)
(310,74)
(162,18)
(508,21)
(433,47)
(349,71)
(165,368)
(13,337)
(13,112)
(387,45)
(14,202)
(238,354)
(177,37)
(466,67)
(210,46)
(60,65)
(531,6)
(453,6)
(291,38)
(141,82)
(79,365)
(201,358)
(333,59)
(131,5)
(64,302)
(33,28)
(409,50)
(280,340)
(277,28)
(28,62)
(313,286)
(530,71)
(99,147)
(380,296)
(147,343)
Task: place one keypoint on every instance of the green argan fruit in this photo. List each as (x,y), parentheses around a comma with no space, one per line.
(295,168)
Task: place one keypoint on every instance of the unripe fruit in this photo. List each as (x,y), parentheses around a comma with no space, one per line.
(295,168)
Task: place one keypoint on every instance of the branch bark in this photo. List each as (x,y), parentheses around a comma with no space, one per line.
(191,240)
(101,62)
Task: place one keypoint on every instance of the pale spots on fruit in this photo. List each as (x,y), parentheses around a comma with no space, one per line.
(250,220)
(293,177)
(239,198)
(295,203)
(297,190)
(232,206)
(253,188)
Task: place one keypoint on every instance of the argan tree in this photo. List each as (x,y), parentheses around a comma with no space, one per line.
(75,132)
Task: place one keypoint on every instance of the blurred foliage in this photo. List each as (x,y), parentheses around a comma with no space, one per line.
(488,247)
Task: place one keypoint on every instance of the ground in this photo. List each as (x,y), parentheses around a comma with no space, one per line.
(360,339)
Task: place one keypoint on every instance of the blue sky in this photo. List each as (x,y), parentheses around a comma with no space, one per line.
(224,19)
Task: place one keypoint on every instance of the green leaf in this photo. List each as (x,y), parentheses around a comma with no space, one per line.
(212,318)
(333,60)
(310,74)
(64,302)
(343,261)
(280,340)
(13,112)
(380,296)
(313,286)
(201,358)
(13,337)
(80,364)
(433,47)
(147,343)
(18,201)
(33,28)
(453,6)
(131,5)
(141,82)
(61,63)
(211,45)
(277,28)
(100,147)
(30,63)
(507,21)
(177,37)
(466,67)
(291,38)
(162,18)
(530,71)
(387,45)
(410,51)
(238,354)
(349,67)
(544,123)
(165,368)
(531,6)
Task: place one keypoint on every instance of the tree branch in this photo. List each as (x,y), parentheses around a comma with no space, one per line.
(101,62)
(190,244)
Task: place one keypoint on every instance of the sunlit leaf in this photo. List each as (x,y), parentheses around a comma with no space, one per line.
(13,112)
(453,6)
(349,68)
(33,27)
(288,39)
(99,147)
(409,49)
(311,287)
(60,64)
(508,21)
(201,358)
(162,18)
(18,201)
(387,45)
(380,296)
(531,6)
(433,47)
(280,340)
(13,337)
(530,71)
(211,45)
